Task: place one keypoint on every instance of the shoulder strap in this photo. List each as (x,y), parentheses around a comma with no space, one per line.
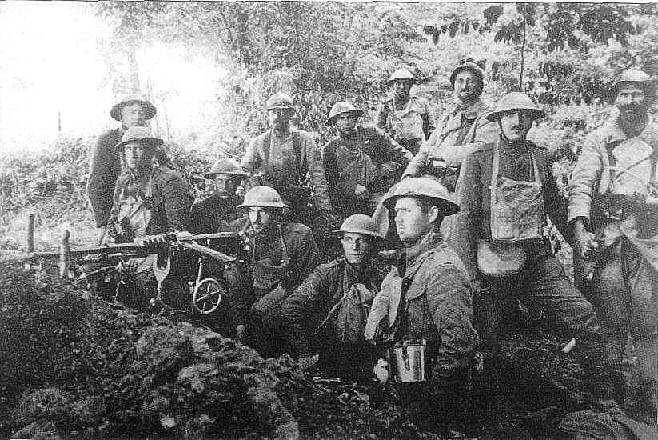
(297,148)
(267,146)
(494,176)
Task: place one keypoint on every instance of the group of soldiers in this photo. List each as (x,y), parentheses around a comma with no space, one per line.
(464,201)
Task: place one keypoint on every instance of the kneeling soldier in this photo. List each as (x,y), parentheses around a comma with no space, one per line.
(280,256)
(425,306)
(327,313)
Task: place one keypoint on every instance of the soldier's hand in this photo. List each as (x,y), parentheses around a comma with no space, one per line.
(241,332)
(360,190)
(390,168)
(652,200)
(583,239)
(151,240)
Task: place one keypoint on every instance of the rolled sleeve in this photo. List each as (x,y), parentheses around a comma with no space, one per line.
(584,179)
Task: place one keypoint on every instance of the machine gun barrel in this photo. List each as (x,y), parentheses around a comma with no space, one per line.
(144,249)
(125,248)
(207,251)
(206,236)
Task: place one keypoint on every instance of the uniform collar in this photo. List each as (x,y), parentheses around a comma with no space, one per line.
(470,111)
(428,242)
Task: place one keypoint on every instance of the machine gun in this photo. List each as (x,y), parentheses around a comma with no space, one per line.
(206,291)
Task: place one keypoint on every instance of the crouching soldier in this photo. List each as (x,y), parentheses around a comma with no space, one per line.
(424,309)
(280,256)
(327,313)
(149,199)
(221,208)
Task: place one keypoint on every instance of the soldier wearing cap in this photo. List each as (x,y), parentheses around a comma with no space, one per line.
(406,118)
(105,159)
(282,158)
(327,313)
(427,297)
(281,254)
(221,208)
(506,190)
(613,209)
(456,130)
(361,163)
(148,199)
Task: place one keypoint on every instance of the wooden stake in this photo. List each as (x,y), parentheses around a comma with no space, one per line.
(65,255)
(30,233)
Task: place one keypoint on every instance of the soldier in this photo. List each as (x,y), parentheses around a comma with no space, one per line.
(506,190)
(105,160)
(361,163)
(217,211)
(327,313)
(426,300)
(456,129)
(281,255)
(406,118)
(148,199)
(282,157)
(614,215)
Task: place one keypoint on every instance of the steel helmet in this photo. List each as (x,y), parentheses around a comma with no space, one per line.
(279,100)
(360,224)
(471,67)
(422,187)
(516,101)
(340,108)
(149,109)
(262,196)
(401,74)
(142,135)
(226,166)
(634,76)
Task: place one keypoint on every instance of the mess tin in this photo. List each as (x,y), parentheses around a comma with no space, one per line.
(410,361)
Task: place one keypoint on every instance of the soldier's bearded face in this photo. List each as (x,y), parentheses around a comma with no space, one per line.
(412,221)
(631,102)
(132,115)
(346,122)
(467,86)
(260,217)
(515,125)
(356,247)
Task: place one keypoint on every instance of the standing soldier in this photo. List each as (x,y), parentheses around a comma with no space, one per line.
(282,157)
(217,211)
(327,313)
(281,255)
(456,130)
(613,211)
(361,163)
(407,119)
(426,301)
(506,190)
(106,161)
